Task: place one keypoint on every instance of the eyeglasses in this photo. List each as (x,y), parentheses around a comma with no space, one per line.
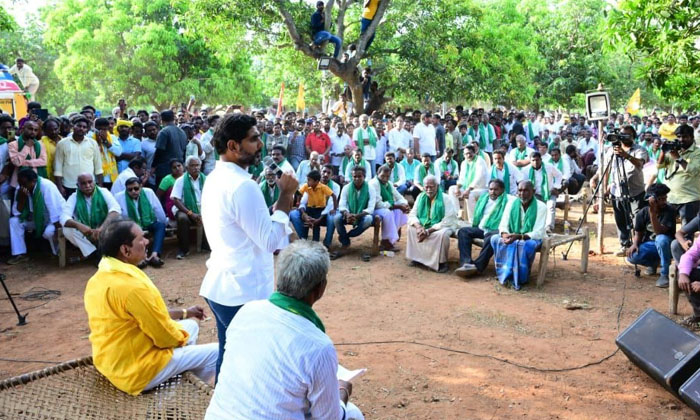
(133,189)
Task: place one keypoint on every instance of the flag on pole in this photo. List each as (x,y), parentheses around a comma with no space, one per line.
(301,104)
(634,103)
(281,101)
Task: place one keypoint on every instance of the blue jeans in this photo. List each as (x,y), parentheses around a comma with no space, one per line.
(364,24)
(303,231)
(323,36)
(157,229)
(224,315)
(403,188)
(343,235)
(651,253)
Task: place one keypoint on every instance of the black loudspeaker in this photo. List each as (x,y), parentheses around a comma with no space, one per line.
(666,351)
(690,392)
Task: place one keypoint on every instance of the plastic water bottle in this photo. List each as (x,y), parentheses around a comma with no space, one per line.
(388,253)
(567,227)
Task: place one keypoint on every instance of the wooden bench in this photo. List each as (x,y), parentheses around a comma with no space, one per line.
(673,290)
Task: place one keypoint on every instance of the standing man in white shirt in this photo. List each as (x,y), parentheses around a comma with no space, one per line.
(424,138)
(472,181)
(339,140)
(399,138)
(280,364)
(26,76)
(241,232)
(547,182)
(366,139)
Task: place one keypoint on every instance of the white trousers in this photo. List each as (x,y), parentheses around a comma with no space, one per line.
(392,221)
(77,238)
(200,359)
(17,229)
(352,412)
(471,201)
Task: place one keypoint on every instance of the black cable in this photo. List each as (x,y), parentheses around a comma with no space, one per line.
(36,293)
(499,359)
(28,361)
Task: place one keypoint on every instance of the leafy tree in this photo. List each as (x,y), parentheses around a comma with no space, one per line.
(7,23)
(138,49)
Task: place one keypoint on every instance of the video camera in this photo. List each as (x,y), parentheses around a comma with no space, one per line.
(617,137)
(671,146)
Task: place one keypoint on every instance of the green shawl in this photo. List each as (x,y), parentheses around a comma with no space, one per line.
(145,216)
(544,187)
(469,172)
(486,135)
(40,170)
(496,214)
(3,140)
(422,172)
(559,165)
(530,131)
(444,168)
(372,137)
(265,188)
(395,173)
(506,176)
(188,193)
(256,170)
(514,222)
(387,194)
(39,211)
(520,154)
(98,209)
(297,307)
(429,214)
(357,204)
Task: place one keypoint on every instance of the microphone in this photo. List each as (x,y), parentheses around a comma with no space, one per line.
(270,164)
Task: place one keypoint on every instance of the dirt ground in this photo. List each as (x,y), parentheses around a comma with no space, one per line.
(385,300)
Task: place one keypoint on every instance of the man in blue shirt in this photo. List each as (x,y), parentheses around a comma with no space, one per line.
(319,32)
(131,147)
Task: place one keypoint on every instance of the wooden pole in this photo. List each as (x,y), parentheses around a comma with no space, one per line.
(601,192)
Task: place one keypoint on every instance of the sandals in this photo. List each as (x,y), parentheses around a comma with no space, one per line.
(365,257)
(335,255)
(156,262)
(692,322)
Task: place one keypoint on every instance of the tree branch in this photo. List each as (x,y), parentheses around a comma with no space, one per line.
(299,43)
(362,42)
(340,21)
(328,14)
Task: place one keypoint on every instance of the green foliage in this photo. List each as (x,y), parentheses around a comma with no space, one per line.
(665,36)
(7,23)
(138,49)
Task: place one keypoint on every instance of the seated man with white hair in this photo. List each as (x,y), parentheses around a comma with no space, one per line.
(313,163)
(520,155)
(187,200)
(432,220)
(85,213)
(279,363)
(141,205)
(391,206)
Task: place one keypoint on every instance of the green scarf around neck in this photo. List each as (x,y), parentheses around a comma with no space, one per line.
(40,170)
(357,204)
(485,136)
(496,215)
(515,225)
(39,210)
(344,164)
(423,172)
(3,140)
(188,193)
(297,307)
(372,137)
(395,173)
(544,186)
(520,154)
(256,170)
(530,131)
(559,165)
(145,216)
(429,214)
(506,176)
(98,209)
(270,199)
(469,173)
(330,184)
(444,168)
(387,193)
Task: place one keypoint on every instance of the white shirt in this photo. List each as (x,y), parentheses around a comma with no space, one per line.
(399,139)
(400,172)
(303,170)
(277,365)
(538,230)
(148,150)
(426,138)
(416,173)
(481,176)
(350,165)
(178,191)
(25,75)
(584,146)
(554,177)
(329,203)
(511,157)
(53,201)
(489,208)
(338,144)
(286,166)
(152,199)
(368,152)
(452,167)
(208,149)
(565,168)
(382,144)
(120,183)
(69,211)
(513,173)
(343,204)
(242,236)
(379,204)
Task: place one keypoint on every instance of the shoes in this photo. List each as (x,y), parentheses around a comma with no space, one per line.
(17,259)
(662,282)
(443,268)
(621,252)
(691,322)
(466,270)
(156,262)
(182,254)
(650,271)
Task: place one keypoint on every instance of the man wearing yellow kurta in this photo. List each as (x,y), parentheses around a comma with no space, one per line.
(136,342)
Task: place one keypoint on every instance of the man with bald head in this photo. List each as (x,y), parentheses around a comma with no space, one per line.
(85,213)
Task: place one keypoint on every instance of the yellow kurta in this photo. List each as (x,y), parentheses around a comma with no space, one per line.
(131,332)
(50,147)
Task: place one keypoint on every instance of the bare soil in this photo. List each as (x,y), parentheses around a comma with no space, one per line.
(386,300)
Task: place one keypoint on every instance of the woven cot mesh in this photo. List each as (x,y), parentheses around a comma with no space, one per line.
(76,390)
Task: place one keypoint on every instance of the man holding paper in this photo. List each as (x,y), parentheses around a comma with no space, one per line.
(279,363)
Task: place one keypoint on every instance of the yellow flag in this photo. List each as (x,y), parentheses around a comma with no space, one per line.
(634,103)
(301,104)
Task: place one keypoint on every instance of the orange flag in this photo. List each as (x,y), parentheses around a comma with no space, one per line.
(281,101)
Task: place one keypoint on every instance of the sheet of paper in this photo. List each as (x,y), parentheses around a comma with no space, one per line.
(349,375)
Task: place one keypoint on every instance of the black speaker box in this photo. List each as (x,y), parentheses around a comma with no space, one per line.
(666,351)
(690,392)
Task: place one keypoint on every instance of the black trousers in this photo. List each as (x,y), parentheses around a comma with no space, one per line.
(465,239)
(620,211)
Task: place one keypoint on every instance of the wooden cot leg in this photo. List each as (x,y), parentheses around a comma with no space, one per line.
(544,259)
(585,247)
(200,235)
(61,249)
(673,291)
(377,232)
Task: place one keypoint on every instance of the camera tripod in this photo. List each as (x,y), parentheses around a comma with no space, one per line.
(21,319)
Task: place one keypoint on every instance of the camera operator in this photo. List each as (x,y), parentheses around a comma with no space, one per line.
(628,160)
(681,159)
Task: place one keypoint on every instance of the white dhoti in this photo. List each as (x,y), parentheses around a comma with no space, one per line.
(432,251)
(392,221)
(77,238)
(17,229)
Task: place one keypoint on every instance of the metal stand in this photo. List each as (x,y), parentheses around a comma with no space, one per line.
(21,319)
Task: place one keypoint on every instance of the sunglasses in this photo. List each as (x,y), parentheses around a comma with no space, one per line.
(133,188)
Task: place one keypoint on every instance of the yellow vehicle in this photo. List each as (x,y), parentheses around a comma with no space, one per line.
(12,99)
